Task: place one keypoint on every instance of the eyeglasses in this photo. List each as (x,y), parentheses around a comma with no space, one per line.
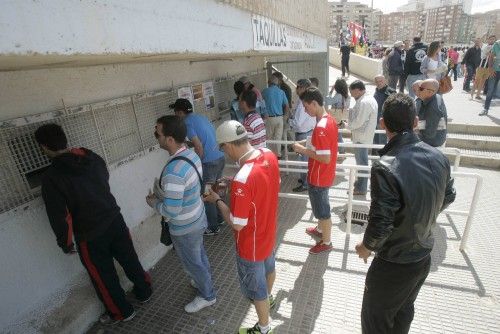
(423,88)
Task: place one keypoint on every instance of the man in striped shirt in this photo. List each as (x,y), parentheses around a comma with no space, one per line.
(252,121)
(183,209)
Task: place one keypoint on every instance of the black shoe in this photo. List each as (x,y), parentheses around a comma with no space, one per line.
(144,300)
(299,189)
(483,113)
(300,181)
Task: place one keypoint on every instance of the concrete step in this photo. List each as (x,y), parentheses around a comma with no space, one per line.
(477,158)
(485,130)
(473,141)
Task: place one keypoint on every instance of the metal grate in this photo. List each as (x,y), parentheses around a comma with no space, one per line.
(118,130)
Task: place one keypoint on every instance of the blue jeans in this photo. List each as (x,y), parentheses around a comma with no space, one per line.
(410,80)
(492,87)
(320,203)
(471,71)
(212,171)
(361,156)
(253,276)
(298,137)
(190,250)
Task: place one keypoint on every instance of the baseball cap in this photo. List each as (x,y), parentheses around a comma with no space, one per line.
(398,44)
(230,131)
(244,79)
(181,104)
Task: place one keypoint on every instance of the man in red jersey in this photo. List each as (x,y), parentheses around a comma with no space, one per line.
(322,152)
(252,215)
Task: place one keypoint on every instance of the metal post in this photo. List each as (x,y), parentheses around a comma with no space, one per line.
(132,100)
(475,198)
(352,175)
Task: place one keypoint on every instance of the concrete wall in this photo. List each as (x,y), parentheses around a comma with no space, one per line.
(309,15)
(30,92)
(362,66)
(39,284)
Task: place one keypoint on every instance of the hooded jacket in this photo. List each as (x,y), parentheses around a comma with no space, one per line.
(410,185)
(414,58)
(77,197)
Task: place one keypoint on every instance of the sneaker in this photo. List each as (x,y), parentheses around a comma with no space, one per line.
(320,248)
(210,231)
(478,97)
(144,300)
(483,113)
(254,330)
(198,303)
(106,319)
(299,189)
(272,302)
(313,231)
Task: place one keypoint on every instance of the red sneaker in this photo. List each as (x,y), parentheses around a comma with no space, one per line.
(313,231)
(320,248)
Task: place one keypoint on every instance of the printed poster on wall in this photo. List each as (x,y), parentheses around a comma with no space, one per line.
(185,93)
(208,94)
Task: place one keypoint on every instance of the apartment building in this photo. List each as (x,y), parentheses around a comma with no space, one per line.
(343,12)
(400,26)
(484,24)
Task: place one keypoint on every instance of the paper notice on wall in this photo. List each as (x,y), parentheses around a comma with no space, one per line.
(208,94)
(185,93)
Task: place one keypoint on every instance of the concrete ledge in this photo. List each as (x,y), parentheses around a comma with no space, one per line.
(489,130)
(362,66)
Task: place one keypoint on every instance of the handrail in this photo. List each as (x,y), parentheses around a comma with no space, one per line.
(450,150)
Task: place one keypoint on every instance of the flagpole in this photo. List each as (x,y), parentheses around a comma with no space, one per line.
(371,25)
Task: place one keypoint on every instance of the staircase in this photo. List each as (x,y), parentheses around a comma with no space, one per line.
(479,144)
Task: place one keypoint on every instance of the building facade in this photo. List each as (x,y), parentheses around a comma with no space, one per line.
(343,12)
(443,23)
(399,26)
(485,24)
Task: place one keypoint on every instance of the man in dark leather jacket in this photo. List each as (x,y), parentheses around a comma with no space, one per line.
(410,186)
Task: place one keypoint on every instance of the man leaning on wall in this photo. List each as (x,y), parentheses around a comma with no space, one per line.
(78,200)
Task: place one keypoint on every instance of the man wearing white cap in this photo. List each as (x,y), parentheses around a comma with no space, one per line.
(252,214)
(395,67)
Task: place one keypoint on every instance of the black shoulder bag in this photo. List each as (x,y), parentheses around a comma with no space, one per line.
(165,237)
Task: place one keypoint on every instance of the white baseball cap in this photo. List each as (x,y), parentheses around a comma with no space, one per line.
(230,131)
(398,44)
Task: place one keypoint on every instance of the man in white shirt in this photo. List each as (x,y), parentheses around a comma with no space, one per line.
(302,124)
(362,123)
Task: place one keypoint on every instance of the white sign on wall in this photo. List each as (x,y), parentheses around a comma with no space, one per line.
(270,35)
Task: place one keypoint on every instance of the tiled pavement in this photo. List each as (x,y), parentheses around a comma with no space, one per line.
(323,293)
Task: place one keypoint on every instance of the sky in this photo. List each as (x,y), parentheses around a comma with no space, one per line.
(387,6)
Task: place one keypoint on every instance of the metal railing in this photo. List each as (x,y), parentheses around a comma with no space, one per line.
(351,201)
(447,150)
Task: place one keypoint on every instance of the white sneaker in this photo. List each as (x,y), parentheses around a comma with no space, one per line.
(198,303)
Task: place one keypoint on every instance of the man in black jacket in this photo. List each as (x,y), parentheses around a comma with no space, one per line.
(382,92)
(78,201)
(411,185)
(412,64)
(395,67)
(471,61)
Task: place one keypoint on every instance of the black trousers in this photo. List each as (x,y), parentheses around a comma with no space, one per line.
(345,65)
(97,257)
(390,291)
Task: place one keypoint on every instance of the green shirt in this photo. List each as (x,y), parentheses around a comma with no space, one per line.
(496,53)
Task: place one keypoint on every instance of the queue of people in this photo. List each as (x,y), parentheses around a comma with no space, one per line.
(76,188)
